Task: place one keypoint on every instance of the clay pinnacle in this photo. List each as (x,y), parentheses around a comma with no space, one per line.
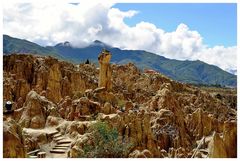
(105,73)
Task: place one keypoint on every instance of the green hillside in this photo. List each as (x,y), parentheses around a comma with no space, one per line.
(196,72)
(15,45)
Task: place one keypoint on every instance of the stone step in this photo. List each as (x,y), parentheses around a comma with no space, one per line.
(52,133)
(57,135)
(57,151)
(59,138)
(204,151)
(33,152)
(32,156)
(63,142)
(41,155)
(60,148)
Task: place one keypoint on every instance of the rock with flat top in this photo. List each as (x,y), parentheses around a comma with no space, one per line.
(105,73)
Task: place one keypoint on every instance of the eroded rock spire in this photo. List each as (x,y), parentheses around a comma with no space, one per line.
(105,73)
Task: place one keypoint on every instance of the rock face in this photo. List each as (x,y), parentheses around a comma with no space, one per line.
(230,138)
(73,110)
(54,83)
(134,128)
(105,73)
(165,100)
(13,146)
(35,111)
(56,79)
(224,146)
(217,148)
(157,116)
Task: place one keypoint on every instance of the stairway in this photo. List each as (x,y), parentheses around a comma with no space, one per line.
(58,145)
(61,145)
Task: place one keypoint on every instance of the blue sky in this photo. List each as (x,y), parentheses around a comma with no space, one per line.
(217,23)
(185,31)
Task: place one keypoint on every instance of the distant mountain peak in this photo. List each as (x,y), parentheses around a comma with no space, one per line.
(100,43)
(188,71)
(64,44)
(97,42)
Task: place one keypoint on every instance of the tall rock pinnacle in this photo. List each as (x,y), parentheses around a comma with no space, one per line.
(105,73)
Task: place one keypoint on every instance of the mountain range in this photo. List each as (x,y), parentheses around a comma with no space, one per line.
(195,72)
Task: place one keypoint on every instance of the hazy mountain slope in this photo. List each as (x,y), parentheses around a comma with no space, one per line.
(15,45)
(185,71)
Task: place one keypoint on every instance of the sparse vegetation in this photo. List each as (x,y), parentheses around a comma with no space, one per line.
(121,103)
(87,62)
(106,143)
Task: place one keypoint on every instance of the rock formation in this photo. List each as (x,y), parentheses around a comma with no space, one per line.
(157,116)
(216,147)
(221,145)
(56,79)
(230,138)
(35,111)
(54,83)
(13,146)
(105,72)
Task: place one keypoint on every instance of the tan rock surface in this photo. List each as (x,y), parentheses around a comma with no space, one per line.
(217,147)
(35,111)
(105,73)
(230,138)
(156,115)
(13,146)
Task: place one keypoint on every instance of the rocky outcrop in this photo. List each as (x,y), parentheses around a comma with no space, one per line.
(77,147)
(54,83)
(53,121)
(158,117)
(13,144)
(201,123)
(101,95)
(76,109)
(64,108)
(128,106)
(57,79)
(216,147)
(35,111)
(134,128)
(230,138)
(33,139)
(107,108)
(105,72)
(165,99)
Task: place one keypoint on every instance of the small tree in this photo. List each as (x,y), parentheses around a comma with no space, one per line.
(106,143)
(87,62)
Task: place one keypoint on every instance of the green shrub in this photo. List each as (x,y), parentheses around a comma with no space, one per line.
(106,143)
(121,103)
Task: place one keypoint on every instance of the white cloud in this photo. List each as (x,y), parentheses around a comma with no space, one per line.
(49,24)
(224,57)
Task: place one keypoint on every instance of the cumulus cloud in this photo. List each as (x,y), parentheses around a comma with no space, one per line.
(49,24)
